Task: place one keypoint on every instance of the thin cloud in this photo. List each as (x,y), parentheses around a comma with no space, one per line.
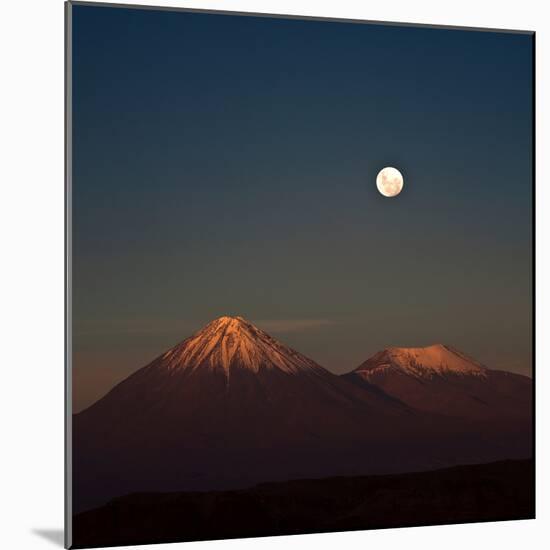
(290,325)
(133,326)
(186,328)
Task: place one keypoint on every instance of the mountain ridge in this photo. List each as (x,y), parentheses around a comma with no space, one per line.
(230,406)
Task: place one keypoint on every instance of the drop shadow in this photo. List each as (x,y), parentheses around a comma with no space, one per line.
(55,536)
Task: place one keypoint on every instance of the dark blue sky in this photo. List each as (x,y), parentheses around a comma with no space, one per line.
(227,164)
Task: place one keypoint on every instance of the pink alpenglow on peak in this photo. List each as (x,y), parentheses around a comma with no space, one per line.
(233,342)
(426,362)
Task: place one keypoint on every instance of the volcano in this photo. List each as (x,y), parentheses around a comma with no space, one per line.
(233,382)
(227,407)
(443,380)
(231,406)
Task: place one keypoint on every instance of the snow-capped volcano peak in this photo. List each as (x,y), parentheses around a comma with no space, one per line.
(437,359)
(229,342)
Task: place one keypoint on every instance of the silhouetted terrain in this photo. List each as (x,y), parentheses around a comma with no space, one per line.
(489,492)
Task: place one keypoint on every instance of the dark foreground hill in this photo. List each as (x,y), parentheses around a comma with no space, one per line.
(488,492)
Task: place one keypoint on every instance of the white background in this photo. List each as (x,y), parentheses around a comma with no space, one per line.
(31,272)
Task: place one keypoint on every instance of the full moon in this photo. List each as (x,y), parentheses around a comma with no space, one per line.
(389,181)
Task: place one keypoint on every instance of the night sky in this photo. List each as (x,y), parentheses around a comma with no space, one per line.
(226,165)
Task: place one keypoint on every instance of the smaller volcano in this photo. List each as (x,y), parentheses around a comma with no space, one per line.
(422,362)
(440,379)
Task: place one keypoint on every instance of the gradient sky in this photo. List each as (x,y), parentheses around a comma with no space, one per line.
(226,165)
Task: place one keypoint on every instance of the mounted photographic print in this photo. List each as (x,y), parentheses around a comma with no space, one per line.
(299,275)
